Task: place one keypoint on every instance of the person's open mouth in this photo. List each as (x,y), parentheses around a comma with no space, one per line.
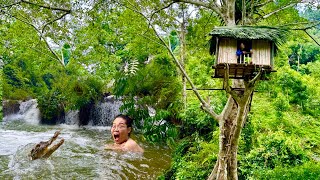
(116,137)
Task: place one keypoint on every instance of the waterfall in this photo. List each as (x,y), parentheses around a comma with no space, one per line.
(72,117)
(103,112)
(100,113)
(28,112)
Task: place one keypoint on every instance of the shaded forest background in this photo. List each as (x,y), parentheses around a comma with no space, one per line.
(104,47)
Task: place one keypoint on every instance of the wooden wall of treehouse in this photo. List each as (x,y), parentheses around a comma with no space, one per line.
(227,48)
(262,51)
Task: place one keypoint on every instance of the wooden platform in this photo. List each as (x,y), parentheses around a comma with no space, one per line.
(241,71)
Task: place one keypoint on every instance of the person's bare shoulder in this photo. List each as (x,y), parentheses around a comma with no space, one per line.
(131,145)
(112,147)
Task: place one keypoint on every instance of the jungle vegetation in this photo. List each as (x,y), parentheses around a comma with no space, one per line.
(67,54)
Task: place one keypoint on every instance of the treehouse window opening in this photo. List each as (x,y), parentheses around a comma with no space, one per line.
(244,51)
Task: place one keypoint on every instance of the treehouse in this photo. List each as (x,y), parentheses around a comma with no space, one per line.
(245,49)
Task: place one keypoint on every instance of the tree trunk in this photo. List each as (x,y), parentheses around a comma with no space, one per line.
(235,112)
(230,125)
(228,12)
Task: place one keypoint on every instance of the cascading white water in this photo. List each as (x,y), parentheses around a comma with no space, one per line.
(72,117)
(104,112)
(28,112)
(101,114)
(82,156)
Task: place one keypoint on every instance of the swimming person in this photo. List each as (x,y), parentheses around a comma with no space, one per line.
(120,131)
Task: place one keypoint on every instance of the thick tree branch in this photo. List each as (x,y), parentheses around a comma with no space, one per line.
(47,7)
(53,20)
(160,9)
(278,10)
(312,25)
(257,77)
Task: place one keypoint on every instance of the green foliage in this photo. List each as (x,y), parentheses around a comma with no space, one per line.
(31,72)
(194,120)
(274,150)
(307,52)
(246,141)
(84,90)
(111,44)
(310,170)
(1,83)
(11,75)
(154,85)
(293,89)
(51,106)
(159,128)
(276,142)
(193,158)
(291,85)
(15,84)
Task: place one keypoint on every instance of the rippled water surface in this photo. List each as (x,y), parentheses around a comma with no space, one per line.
(80,157)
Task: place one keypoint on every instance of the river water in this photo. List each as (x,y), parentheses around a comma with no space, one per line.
(80,157)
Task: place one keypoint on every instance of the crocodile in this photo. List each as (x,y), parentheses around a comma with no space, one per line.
(43,149)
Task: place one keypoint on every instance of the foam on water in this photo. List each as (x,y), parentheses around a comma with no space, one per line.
(82,156)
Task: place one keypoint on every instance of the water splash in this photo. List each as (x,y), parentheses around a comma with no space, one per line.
(81,156)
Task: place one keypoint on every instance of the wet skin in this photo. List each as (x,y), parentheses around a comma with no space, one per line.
(120,134)
(120,131)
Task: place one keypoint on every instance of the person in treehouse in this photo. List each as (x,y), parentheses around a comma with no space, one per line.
(120,131)
(243,53)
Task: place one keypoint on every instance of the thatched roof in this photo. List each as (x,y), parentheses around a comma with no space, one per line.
(273,34)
